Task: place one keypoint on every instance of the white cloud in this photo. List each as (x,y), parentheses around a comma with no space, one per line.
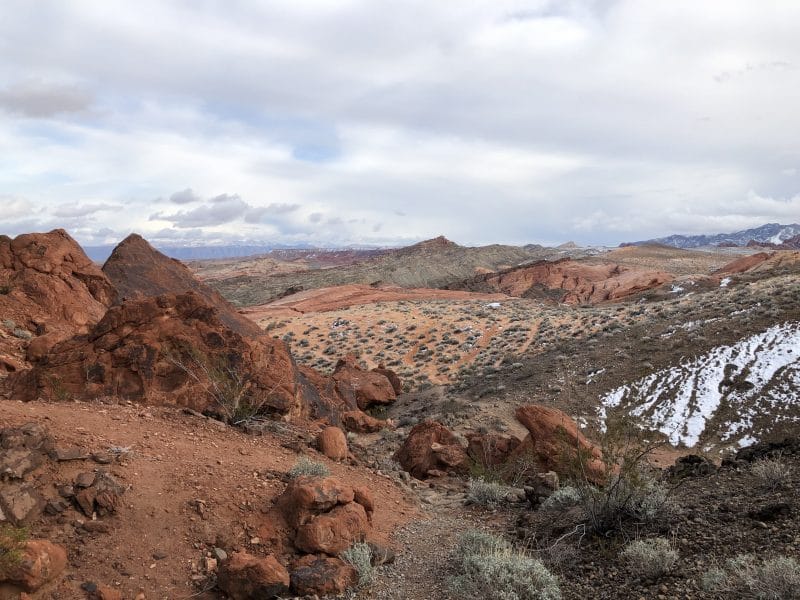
(357,121)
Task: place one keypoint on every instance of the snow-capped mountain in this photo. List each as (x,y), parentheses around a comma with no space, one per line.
(773,233)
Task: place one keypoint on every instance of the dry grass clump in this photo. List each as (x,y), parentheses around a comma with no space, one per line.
(359,556)
(305,467)
(745,576)
(650,558)
(772,473)
(488,567)
(488,494)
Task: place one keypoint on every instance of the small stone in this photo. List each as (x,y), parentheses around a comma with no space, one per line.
(220,554)
(159,555)
(85,479)
(102,458)
(66,454)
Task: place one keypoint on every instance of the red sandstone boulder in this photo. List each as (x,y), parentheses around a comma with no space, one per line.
(40,563)
(366,388)
(244,577)
(322,576)
(556,443)
(431,448)
(360,422)
(393,378)
(364,497)
(332,442)
(307,497)
(334,531)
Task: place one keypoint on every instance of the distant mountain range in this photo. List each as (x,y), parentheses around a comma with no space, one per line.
(187,253)
(771,233)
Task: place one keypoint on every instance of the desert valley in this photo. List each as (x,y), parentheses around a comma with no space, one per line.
(431,421)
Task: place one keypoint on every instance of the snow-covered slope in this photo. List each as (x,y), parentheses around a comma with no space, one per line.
(732,393)
(771,232)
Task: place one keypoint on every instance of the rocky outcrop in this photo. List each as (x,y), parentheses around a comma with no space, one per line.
(569,281)
(740,265)
(170,349)
(138,271)
(555,443)
(244,577)
(324,515)
(48,287)
(431,450)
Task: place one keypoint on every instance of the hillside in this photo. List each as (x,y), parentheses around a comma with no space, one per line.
(430,264)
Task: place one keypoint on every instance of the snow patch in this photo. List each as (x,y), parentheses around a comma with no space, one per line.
(756,376)
(725,282)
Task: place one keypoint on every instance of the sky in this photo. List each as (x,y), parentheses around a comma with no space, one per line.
(335,122)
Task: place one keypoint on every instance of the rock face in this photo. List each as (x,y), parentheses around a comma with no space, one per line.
(171,349)
(332,443)
(569,281)
(553,442)
(491,449)
(48,288)
(745,263)
(40,563)
(138,270)
(244,577)
(431,449)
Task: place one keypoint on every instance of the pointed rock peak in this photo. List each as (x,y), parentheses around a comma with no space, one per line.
(434,243)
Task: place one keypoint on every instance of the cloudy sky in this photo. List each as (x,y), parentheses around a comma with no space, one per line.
(385,122)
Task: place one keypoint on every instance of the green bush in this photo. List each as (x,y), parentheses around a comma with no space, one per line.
(359,555)
(490,569)
(305,467)
(746,577)
(12,543)
(650,558)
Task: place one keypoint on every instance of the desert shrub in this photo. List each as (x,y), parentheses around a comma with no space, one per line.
(305,467)
(22,334)
(487,494)
(12,543)
(564,497)
(650,558)
(746,577)
(359,556)
(489,568)
(9,324)
(630,492)
(772,473)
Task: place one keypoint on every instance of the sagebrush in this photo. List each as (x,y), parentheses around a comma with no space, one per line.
(359,556)
(745,576)
(305,467)
(489,568)
(650,558)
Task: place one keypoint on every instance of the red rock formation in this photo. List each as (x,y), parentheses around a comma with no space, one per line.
(40,563)
(740,265)
(491,449)
(315,576)
(48,286)
(569,281)
(138,270)
(555,443)
(171,349)
(431,449)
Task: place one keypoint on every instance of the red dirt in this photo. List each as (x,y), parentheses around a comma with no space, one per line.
(175,459)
